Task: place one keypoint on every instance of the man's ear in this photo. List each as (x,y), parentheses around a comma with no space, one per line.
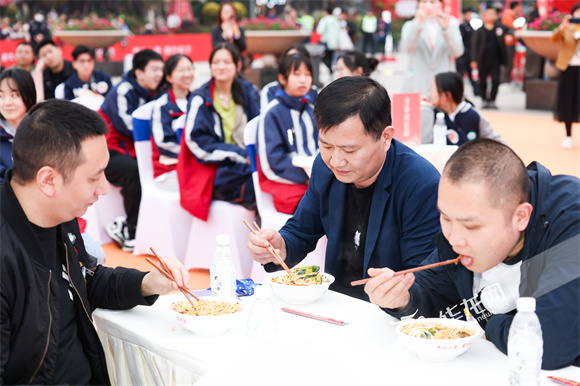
(522,215)
(46,180)
(388,133)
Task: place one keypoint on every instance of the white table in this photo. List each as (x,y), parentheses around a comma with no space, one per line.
(146,345)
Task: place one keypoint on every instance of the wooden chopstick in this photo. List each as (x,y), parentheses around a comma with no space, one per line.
(160,269)
(270,248)
(422,268)
(164,269)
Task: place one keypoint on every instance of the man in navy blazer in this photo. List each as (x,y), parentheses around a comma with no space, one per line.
(373,197)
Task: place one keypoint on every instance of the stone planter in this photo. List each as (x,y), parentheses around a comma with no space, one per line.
(272,42)
(540,43)
(92,39)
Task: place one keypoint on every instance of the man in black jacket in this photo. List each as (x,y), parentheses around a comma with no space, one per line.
(49,284)
(488,53)
(464,61)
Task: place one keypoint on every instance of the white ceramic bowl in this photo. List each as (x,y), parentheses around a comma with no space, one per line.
(209,325)
(295,294)
(439,349)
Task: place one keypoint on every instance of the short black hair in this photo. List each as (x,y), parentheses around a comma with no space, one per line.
(574,8)
(450,82)
(45,42)
(81,49)
(143,57)
(514,4)
(292,63)
(494,164)
(355,59)
(21,81)
(352,96)
(51,134)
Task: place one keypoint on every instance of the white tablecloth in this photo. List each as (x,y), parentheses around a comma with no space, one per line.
(147,345)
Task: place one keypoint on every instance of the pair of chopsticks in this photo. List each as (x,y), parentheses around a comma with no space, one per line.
(270,247)
(164,269)
(429,266)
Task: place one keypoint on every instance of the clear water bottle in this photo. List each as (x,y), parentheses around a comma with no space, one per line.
(525,345)
(262,322)
(440,130)
(223,269)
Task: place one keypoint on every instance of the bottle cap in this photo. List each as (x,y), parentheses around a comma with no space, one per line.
(222,240)
(440,115)
(263,291)
(526,305)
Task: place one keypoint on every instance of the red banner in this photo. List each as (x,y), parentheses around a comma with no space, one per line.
(406,110)
(196,46)
(452,7)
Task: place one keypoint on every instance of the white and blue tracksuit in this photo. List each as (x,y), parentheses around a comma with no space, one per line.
(204,137)
(286,130)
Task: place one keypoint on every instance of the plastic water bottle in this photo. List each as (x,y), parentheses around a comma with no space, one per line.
(440,130)
(525,345)
(262,321)
(223,269)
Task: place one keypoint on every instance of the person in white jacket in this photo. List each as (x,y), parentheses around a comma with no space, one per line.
(433,42)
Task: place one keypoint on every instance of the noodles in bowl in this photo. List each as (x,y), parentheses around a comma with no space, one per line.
(298,288)
(302,276)
(434,330)
(437,339)
(206,308)
(208,316)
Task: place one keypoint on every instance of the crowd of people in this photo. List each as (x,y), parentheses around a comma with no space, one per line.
(382,207)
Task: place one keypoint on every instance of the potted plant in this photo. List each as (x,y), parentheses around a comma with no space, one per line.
(271,36)
(93,32)
(538,33)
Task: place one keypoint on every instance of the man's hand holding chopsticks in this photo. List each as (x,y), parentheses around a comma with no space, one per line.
(387,290)
(258,246)
(155,283)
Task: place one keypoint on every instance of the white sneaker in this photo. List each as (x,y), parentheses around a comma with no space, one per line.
(118,231)
(568,143)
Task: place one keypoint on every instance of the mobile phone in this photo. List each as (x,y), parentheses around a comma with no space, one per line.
(575,20)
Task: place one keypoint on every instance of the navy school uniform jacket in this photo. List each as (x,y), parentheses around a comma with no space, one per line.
(117,108)
(100,83)
(467,126)
(403,215)
(286,129)
(203,138)
(555,221)
(166,129)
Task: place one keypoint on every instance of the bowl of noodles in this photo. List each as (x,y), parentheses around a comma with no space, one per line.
(437,339)
(304,285)
(208,316)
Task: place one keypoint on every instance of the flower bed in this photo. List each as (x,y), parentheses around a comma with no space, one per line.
(548,23)
(266,24)
(89,23)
